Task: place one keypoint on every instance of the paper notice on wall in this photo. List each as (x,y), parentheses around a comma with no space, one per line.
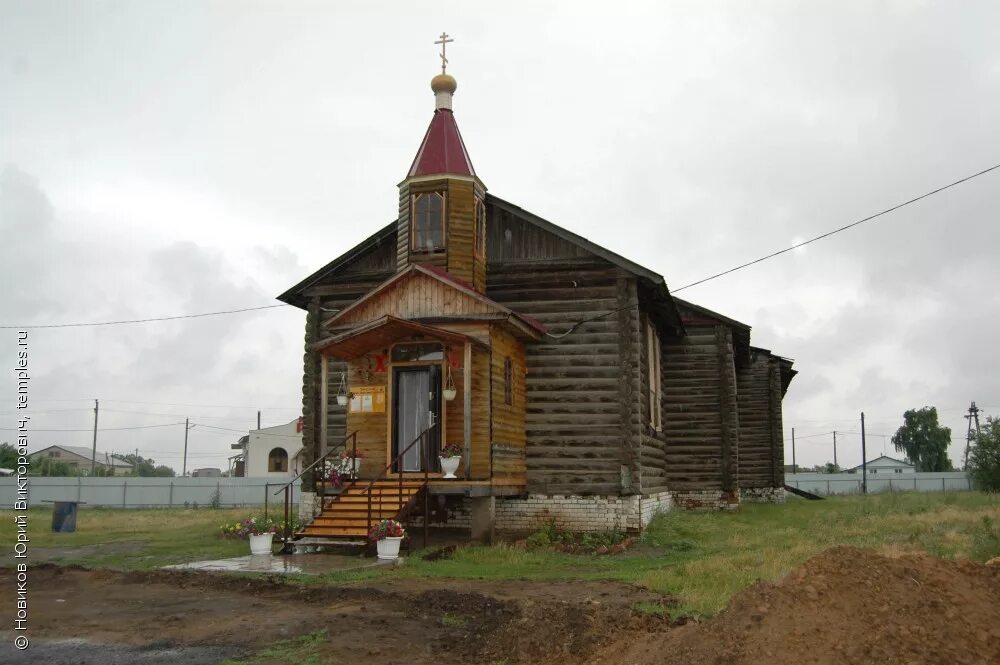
(367,399)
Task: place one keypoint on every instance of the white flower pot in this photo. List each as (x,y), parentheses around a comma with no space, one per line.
(261,544)
(449,465)
(388,548)
(341,400)
(449,394)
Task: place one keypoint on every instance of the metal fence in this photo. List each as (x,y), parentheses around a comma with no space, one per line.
(134,492)
(826,484)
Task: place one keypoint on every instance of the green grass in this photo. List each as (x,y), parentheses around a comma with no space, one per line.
(129,539)
(701,559)
(303,650)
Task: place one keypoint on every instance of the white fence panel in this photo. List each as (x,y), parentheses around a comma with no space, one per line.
(830,484)
(132,492)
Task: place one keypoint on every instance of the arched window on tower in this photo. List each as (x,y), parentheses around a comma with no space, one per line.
(427,223)
(277,461)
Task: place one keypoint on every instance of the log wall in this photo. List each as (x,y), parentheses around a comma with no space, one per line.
(574,411)
(754,400)
(700,419)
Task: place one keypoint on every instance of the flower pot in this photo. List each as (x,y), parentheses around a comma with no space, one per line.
(388,548)
(342,400)
(449,465)
(449,393)
(354,468)
(261,544)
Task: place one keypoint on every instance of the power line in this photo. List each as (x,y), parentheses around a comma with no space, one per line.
(842,228)
(150,320)
(90,429)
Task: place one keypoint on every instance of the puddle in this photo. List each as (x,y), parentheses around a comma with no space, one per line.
(303,564)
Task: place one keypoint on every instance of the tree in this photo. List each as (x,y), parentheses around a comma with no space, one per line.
(924,442)
(8,456)
(146,467)
(984,458)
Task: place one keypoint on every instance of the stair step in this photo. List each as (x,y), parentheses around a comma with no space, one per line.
(360,522)
(342,531)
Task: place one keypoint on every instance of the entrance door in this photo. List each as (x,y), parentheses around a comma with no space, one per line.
(416,405)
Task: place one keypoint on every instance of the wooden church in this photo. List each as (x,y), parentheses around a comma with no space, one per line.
(575,387)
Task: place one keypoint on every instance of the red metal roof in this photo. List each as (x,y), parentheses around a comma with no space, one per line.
(442,150)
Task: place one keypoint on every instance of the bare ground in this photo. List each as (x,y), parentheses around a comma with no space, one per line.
(845,606)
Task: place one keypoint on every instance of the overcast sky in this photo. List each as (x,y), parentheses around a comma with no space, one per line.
(160,158)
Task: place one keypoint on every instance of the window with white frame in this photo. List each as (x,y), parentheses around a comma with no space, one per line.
(653,375)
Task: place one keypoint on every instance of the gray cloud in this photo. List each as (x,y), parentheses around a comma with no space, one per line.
(194,158)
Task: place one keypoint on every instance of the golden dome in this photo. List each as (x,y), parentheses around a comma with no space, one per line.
(444,83)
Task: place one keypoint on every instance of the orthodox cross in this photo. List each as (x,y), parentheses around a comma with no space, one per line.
(444,41)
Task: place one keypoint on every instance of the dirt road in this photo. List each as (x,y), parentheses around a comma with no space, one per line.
(845,606)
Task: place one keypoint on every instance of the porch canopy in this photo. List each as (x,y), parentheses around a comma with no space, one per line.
(383,332)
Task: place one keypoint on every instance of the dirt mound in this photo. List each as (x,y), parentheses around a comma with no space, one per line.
(845,606)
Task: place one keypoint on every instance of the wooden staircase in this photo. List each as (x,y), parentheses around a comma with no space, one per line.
(345,518)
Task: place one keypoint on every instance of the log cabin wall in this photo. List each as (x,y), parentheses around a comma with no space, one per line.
(581,437)
(756,411)
(653,447)
(777,433)
(700,418)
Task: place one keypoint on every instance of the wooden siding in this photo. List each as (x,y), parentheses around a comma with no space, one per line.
(573,417)
(415,297)
(510,239)
(698,382)
(461,229)
(507,431)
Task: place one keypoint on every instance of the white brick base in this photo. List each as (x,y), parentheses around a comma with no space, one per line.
(763,494)
(707,499)
(579,513)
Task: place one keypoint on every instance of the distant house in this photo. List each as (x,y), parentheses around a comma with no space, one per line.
(885,465)
(209,472)
(80,459)
(274,452)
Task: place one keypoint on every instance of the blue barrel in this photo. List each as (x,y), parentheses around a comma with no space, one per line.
(64,516)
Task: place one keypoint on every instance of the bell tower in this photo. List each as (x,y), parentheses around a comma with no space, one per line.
(442,214)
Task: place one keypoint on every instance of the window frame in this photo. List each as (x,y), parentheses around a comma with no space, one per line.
(654,377)
(271,457)
(414,200)
(508,381)
(479,243)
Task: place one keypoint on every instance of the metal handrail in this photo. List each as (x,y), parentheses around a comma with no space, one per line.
(353,436)
(388,467)
(354,450)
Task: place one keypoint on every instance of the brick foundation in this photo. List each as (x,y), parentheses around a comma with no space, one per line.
(707,499)
(763,494)
(579,513)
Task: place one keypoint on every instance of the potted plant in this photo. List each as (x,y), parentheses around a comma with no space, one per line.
(342,396)
(387,536)
(258,530)
(450,456)
(449,391)
(350,463)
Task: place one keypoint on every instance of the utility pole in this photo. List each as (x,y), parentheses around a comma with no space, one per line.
(187,426)
(795,468)
(835,448)
(864,458)
(93,452)
(973,415)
